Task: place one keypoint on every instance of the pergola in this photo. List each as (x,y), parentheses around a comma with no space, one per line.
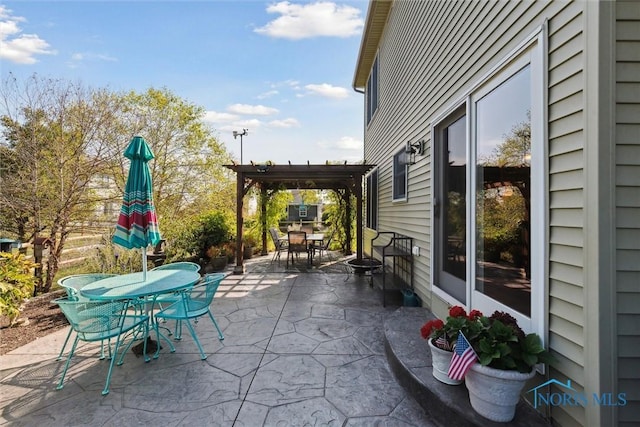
(345,179)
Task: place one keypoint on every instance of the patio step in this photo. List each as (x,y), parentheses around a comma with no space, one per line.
(410,360)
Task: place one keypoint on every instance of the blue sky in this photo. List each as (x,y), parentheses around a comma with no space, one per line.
(283,70)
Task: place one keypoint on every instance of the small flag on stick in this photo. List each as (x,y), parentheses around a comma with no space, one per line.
(462,359)
(443,343)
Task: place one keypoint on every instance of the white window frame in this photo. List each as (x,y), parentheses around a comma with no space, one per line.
(535,47)
(372,91)
(399,162)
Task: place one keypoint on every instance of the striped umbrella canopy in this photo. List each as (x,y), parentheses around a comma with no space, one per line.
(137,224)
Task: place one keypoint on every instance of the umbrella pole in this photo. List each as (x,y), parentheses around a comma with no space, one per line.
(144,263)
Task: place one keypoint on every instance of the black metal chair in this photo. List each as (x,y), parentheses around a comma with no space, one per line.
(297,244)
(321,247)
(280,244)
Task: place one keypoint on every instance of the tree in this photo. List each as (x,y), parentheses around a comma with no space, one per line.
(55,142)
(187,172)
(62,157)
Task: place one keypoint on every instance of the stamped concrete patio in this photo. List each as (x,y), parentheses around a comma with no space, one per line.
(302,347)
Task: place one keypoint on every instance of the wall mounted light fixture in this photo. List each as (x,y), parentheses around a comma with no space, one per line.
(413,149)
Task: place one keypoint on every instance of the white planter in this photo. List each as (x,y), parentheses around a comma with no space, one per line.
(494,393)
(440,360)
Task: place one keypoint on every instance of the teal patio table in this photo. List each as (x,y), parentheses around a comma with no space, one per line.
(132,287)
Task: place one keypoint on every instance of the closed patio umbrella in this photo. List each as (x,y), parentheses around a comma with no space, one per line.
(137,224)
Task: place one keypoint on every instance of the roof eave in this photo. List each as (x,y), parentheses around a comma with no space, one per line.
(376,20)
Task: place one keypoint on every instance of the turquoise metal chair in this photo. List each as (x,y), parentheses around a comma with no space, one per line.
(183,265)
(72,285)
(194,303)
(97,321)
(174,296)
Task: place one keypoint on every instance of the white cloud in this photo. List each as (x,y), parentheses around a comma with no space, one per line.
(268,94)
(344,143)
(88,56)
(17,47)
(286,123)
(328,90)
(78,58)
(250,125)
(258,110)
(322,18)
(215,117)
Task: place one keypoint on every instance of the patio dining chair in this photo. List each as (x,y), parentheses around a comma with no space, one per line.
(281,244)
(182,265)
(194,303)
(297,244)
(321,247)
(72,285)
(96,321)
(173,296)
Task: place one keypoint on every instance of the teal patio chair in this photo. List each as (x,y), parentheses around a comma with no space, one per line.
(72,285)
(97,321)
(193,304)
(174,296)
(183,265)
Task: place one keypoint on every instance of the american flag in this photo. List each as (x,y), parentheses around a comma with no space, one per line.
(462,359)
(443,343)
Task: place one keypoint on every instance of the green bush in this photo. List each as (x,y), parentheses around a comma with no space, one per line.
(212,229)
(113,259)
(197,235)
(16,283)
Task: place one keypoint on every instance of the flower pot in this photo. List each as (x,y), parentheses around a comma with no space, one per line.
(215,264)
(247,252)
(494,393)
(440,360)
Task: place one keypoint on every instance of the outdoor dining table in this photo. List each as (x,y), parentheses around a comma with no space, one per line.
(133,287)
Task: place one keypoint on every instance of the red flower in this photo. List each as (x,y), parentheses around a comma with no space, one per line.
(430,326)
(475,314)
(457,311)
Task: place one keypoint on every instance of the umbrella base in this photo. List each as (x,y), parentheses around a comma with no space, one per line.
(152,346)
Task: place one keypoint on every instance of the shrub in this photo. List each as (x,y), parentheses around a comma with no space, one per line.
(212,229)
(113,259)
(16,283)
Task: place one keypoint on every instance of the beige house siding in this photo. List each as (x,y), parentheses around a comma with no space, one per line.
(566,203)
(430,54)
(627,207)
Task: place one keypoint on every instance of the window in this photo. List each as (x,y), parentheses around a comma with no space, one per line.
(372,200)
(372,91)
(489,200)
(400,175)
(450,207)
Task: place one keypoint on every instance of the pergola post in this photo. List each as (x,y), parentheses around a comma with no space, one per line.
(347,220)
(239,268)
(357,189)
(263,218)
